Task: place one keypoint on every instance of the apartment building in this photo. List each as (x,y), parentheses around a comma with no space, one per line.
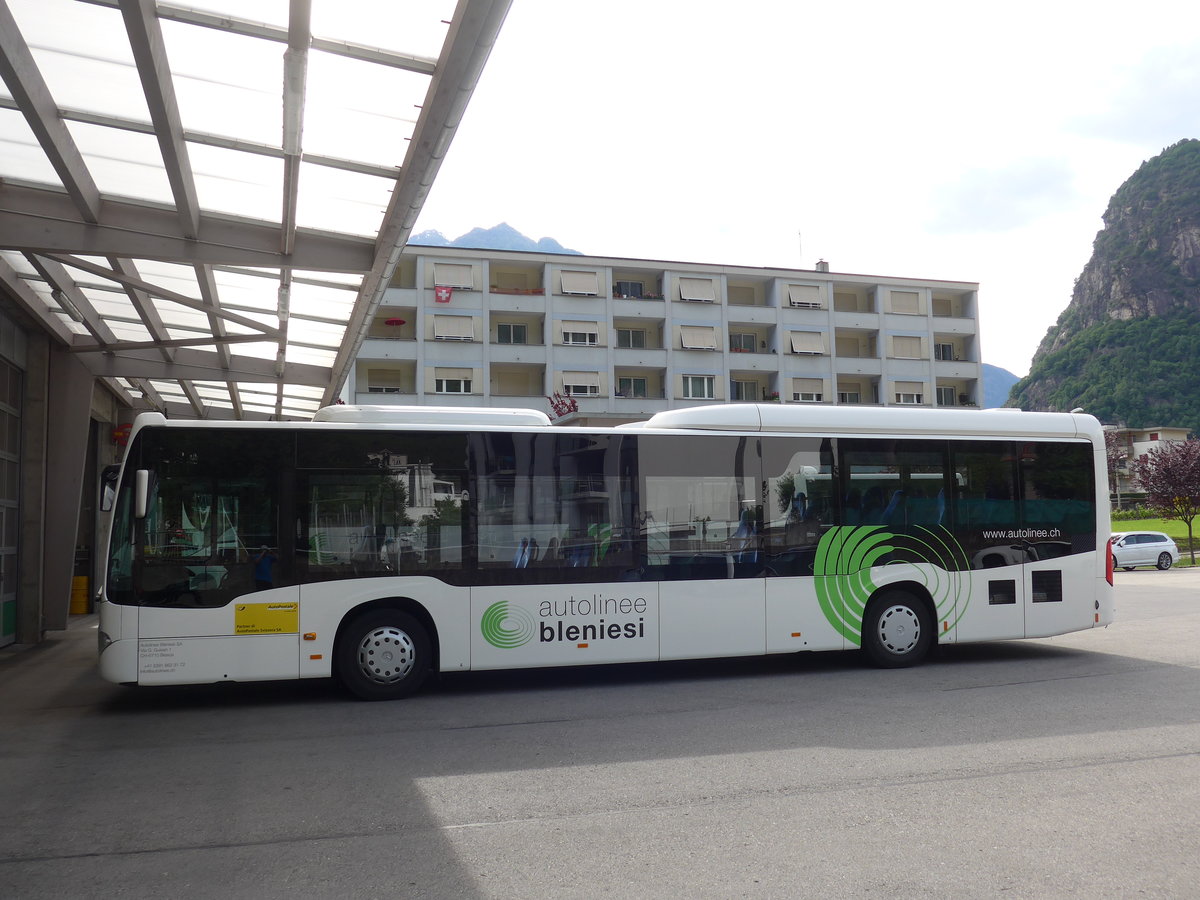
(1127,444)
(626,338)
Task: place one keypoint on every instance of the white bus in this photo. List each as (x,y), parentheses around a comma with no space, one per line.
(378,544)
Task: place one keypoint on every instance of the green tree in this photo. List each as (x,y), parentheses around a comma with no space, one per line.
(1170,475)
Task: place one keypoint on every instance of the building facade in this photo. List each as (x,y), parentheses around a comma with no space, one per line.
(627,338)
(1126,445)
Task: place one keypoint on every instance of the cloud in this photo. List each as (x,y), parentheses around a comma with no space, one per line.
(1002,199)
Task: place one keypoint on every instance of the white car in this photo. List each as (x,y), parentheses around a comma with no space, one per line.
(1143,548)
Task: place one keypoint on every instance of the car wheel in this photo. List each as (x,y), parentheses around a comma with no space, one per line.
(1127,568)
(1164,561)
(384,654)
(897,630)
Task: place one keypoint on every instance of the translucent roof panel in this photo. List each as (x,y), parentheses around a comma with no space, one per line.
(123,163)
(153,210)
(243,184)
(83,54)
(22,155)
(238,97)
(337,200)
(421,22)
(348,98)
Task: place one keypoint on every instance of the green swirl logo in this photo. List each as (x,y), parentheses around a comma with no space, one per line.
(506,626)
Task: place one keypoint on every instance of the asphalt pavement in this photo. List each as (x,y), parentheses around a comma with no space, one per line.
(1063,767)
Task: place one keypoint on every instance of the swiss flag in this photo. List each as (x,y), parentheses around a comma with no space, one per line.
(442,293)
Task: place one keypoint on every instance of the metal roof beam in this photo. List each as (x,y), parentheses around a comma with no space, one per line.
(150,56)
(473,33)
(200,365)
(59,279)
(32,96)
(41,220)
(28,300)
(218,140)
(131,280)
(80,344)
(265,31)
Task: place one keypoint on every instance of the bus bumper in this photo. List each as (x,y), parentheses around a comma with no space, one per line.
(118,643)
(119,662)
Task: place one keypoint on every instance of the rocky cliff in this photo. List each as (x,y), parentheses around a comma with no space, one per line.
(1127,346)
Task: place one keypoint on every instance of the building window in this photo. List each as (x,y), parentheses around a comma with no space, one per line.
(634,338)
(744,391)
(943,351)
(849,397)
(453,328)
(906,347)
(699,387)
(702,290)
(743,343)
(452,385)
(581,384)
(698,337)
(945,396)
(808,390)
(631,387)
(585,334)
(630,289)
(511,333)
(808,343)
(909,398)
(583,283)
(907,302)
(804,296)
(1154,435)
(454,275)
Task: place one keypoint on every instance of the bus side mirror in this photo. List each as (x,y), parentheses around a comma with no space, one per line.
(141,492)
(108,487)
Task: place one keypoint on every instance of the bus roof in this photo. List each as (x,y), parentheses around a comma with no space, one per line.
(871,420)
(765,418)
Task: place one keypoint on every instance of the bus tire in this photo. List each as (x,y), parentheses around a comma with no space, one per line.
(897,630)
(383,654)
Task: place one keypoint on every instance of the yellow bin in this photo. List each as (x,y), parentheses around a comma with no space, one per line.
(79,595)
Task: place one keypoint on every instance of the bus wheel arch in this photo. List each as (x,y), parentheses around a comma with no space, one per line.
(899,626)
(385,649)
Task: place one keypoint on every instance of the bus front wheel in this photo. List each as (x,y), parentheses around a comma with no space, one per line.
(897,630)
(384,654)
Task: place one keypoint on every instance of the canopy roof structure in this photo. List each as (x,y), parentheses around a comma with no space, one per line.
(205,203)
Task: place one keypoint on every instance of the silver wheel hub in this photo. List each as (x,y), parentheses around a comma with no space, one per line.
(386,654)
(899,629)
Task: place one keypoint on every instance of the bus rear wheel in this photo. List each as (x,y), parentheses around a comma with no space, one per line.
(897,630)
(384,654)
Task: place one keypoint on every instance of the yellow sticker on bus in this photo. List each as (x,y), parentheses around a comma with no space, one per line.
(266,618)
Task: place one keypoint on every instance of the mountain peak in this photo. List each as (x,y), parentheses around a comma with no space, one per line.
(499,237)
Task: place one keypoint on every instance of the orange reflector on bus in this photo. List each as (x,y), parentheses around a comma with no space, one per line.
(796,634)
(317,656)
(1097,618)
(310,635)
(945,626)
(581,646)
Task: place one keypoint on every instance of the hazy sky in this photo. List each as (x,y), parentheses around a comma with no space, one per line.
(964,141)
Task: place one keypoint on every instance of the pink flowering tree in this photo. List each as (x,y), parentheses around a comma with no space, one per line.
(1170,475)
(560,405)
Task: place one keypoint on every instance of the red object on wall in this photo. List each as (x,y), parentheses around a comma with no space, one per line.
(120,434)
(393,321)
(442,293)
